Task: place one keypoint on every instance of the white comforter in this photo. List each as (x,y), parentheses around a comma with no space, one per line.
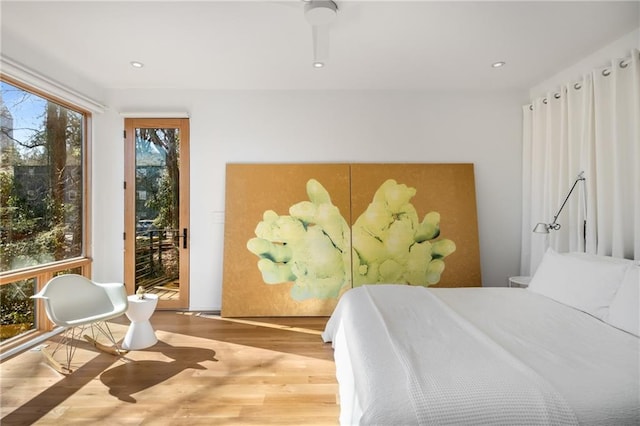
(411,355)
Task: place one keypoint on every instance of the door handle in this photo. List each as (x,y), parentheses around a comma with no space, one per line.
(184,238)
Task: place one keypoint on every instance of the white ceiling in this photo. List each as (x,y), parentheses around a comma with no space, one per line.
(267,44)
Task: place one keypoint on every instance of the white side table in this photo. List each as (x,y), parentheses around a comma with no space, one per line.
(140,334)
(519,282)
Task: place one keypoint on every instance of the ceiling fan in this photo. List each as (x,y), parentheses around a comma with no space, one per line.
(320,14)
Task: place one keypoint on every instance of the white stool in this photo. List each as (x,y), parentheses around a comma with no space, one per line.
(140,334)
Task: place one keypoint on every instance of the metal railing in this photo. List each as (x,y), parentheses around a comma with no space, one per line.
(156,256)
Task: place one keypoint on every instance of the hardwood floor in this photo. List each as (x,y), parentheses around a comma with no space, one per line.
(204,370)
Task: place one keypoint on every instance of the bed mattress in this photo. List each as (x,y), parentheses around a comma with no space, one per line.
(415,355)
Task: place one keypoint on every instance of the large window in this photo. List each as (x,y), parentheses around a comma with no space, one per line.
(42,199)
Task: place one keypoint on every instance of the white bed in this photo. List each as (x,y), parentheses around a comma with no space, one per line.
(412,355)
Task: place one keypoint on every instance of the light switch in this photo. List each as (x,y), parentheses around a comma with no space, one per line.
(218,217)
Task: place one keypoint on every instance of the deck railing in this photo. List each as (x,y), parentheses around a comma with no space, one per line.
(156,257)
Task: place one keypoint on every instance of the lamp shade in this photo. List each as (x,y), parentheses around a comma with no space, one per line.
(541,228)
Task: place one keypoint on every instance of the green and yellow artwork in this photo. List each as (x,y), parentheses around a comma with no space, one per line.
(308,247)
(298,236)
(392,246)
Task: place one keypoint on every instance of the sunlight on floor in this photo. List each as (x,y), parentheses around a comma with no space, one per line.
(260,324)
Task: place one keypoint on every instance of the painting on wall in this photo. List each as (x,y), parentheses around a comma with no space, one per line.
(297,236)
(415,224)
(286,240)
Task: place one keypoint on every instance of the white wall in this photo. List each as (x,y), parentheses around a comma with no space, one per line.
(600,58)
(313,126)
(47,67)
(316,126)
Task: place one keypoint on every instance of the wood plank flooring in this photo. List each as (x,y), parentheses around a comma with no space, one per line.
(204,370)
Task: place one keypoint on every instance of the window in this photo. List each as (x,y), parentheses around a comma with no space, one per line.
(42,199)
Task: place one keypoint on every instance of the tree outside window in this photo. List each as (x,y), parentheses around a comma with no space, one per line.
(41,190)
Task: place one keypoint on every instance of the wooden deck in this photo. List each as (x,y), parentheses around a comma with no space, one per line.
(156,258)
(167,291)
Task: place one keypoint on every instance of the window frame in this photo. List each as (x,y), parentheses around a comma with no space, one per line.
(43,273)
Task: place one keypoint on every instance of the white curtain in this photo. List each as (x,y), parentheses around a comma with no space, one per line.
(590,126)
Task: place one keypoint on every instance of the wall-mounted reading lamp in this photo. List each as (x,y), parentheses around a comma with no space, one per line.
(544,228)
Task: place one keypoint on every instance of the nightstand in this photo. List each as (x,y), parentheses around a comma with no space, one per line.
(519,282)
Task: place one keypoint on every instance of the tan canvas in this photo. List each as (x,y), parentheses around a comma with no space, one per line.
(297,236)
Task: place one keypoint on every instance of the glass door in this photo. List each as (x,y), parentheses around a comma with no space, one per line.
(157,209)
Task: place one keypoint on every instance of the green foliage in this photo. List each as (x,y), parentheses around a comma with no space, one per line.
(147,180)
(16,308)
(37,224)
(162,201)
(27,238)
(40,220)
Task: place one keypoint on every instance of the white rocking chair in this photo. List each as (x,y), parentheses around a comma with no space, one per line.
(74,302)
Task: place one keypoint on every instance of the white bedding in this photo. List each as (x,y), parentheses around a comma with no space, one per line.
(411,355)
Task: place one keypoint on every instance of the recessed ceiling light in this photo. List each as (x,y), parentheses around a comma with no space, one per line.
(318,64)
(498,64)
(137,64)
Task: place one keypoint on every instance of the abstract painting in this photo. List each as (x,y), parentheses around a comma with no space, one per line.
(297,236)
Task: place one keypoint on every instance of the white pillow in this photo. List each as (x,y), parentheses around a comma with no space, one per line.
(625,307)
(586,282)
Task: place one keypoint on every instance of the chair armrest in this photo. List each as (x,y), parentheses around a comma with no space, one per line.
(38,296)
(117,294)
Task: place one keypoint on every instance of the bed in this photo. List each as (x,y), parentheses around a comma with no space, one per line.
(549,354)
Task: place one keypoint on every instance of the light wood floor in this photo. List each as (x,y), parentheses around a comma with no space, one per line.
(203,370)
